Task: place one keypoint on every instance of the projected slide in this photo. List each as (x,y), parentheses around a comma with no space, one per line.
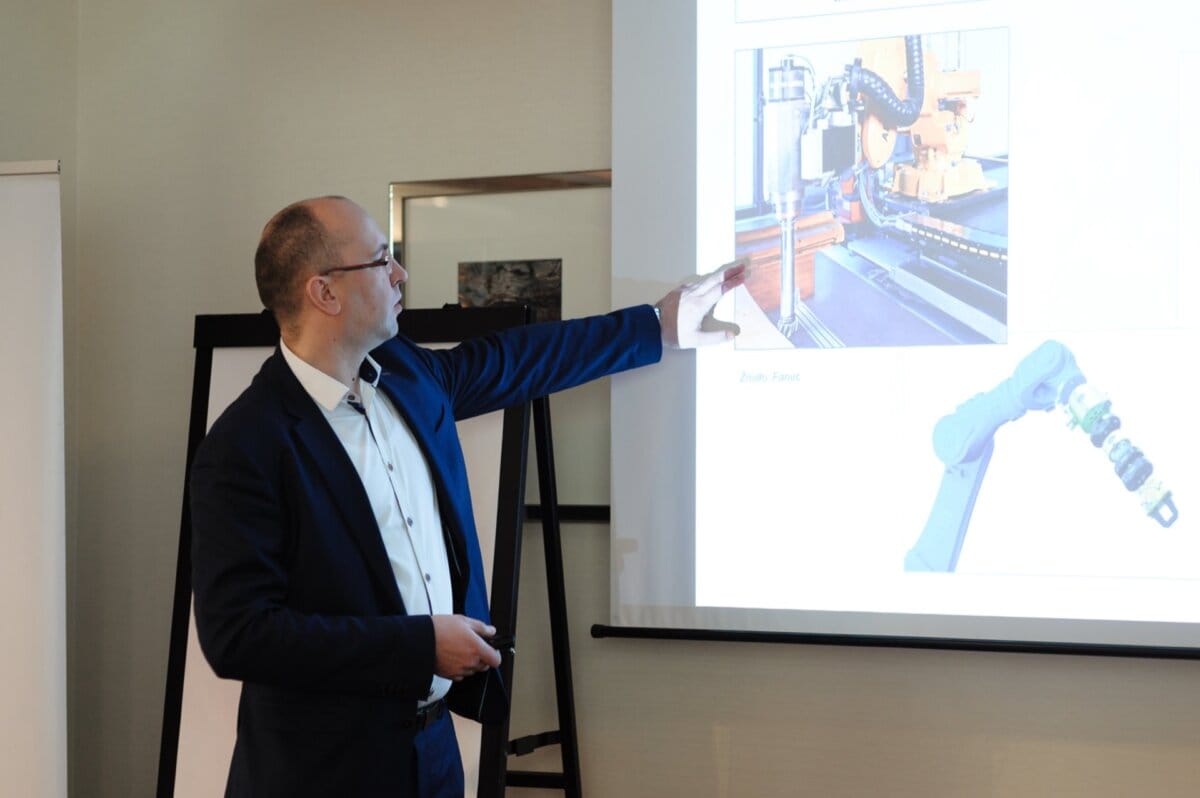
(960,403)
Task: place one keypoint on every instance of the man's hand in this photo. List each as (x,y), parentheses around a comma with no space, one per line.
(461,648)
(686,312)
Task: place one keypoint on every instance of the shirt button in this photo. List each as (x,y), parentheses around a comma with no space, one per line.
(408,521)
(390,467)
(428,578)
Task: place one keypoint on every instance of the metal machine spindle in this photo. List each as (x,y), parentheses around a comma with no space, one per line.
(785,115)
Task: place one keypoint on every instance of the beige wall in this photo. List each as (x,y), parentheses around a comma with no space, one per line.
(194,122)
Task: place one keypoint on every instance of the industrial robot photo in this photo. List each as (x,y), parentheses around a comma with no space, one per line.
(872,192)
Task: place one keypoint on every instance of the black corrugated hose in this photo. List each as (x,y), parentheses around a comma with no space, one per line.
(884,103)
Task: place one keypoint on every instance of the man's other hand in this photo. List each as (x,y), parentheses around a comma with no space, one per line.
(686,312)
(461,647)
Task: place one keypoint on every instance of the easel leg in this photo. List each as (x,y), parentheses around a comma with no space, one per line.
(506,571)
(557,593)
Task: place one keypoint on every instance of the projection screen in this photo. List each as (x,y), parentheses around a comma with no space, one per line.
(958,409)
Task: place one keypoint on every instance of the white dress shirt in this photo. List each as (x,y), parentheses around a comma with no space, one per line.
(398,483)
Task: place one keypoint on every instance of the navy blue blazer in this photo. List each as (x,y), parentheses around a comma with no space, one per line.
(294,595)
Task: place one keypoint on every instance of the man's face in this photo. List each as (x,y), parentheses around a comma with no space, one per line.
(369,297)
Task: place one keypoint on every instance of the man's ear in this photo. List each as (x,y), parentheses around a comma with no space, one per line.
(318,292)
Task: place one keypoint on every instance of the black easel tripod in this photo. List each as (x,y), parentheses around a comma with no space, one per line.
(495,749)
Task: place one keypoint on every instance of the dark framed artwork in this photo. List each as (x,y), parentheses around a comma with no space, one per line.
(537,283)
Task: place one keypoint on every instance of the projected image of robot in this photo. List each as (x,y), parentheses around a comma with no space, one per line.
(964,441)
(865,220)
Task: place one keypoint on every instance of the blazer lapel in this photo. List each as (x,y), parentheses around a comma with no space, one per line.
(333,464)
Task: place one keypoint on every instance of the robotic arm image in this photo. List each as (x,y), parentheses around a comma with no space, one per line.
(938,130)
(882,230)
(964,441)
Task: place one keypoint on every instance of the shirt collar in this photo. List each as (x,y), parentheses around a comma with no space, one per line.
(326,391)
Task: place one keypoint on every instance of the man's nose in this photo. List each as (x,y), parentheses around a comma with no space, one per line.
(400,273)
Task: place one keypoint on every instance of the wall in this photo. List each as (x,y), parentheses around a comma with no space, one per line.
(195,122)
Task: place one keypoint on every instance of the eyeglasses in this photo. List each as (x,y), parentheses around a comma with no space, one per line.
(385,261)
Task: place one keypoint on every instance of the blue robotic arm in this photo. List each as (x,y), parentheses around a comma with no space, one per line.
(964,442)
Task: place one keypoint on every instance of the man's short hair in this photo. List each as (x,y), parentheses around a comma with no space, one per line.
(294,245)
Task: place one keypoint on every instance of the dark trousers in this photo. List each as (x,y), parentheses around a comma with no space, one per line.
(437,767)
